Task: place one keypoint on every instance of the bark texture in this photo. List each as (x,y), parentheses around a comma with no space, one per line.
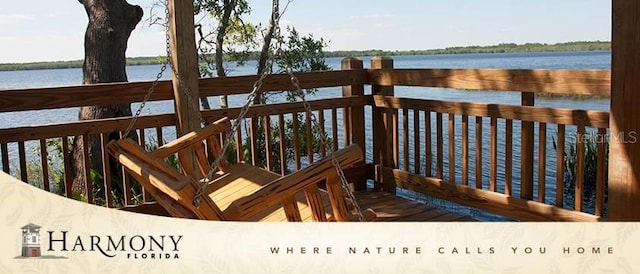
(223,25)
(110,25)
(266,46)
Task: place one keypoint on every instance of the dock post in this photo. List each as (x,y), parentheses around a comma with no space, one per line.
(385,131)
(185,77)
(526,151)
(624,155)
(354,116)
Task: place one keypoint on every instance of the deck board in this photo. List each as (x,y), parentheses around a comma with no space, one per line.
(391,208)
(388,207)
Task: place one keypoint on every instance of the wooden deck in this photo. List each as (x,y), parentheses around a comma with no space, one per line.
(389,208)
(396,121)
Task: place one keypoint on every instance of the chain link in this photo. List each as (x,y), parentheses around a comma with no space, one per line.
(230,133)
(349,195)
(236,123)
(156,81)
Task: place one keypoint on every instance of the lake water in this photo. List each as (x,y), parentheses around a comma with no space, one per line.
(552,60)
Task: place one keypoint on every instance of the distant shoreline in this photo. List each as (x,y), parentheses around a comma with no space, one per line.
(500,48)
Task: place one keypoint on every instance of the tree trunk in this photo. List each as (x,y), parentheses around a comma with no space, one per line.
(268,36)
(229,6)
(266,46)
(110,25)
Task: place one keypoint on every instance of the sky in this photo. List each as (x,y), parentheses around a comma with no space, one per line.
(53,30)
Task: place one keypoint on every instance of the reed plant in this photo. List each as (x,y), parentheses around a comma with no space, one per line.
(590,142)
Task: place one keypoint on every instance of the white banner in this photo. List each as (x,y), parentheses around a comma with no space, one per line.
(46,233)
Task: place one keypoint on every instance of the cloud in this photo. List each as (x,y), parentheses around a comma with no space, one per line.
(7,19)
(370,16)
(50,47)
(146,42)
(380,25)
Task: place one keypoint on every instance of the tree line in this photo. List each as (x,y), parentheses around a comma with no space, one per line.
(500,48)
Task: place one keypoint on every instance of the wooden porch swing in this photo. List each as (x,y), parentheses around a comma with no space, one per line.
(238,192)
(220,191)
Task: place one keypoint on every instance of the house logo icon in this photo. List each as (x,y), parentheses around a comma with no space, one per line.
(31,241)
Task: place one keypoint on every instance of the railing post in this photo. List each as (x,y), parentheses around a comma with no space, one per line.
(624,155)
(354,116)
(385,130)
(526,151)
(185,77)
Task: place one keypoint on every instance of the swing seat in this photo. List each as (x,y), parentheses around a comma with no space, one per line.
(239,192)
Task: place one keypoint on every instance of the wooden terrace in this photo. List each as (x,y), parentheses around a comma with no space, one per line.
(403,129)
(433,147)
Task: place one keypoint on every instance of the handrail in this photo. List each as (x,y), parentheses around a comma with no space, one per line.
(25,133)
(126,93)
(577,82)
(581,82)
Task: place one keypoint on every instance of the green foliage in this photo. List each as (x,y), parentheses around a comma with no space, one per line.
(240,41)
(238,36)
(500,48)
(215,8)
(590,142)
(55,167)
(116,194)
(302,53)
(56,175)
(289,143)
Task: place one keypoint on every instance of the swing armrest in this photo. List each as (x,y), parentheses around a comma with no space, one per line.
(172,190)
(285,187)
(192,138)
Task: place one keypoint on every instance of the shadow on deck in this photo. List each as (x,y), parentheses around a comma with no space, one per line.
(389,208)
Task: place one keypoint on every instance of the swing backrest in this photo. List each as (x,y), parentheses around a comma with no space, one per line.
(175,191)
(204,142)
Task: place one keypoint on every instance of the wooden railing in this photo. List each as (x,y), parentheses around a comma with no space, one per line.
(155,129)
(409,135)
(415,129)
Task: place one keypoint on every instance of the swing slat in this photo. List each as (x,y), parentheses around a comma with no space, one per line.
(191,138)
(241,191)
(292,210)
(295,182)
(314,199)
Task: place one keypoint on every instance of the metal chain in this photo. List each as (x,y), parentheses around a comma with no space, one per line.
(193,102)
(155,82)
(349,195)
(236,123)
(229,135)
(145,100)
